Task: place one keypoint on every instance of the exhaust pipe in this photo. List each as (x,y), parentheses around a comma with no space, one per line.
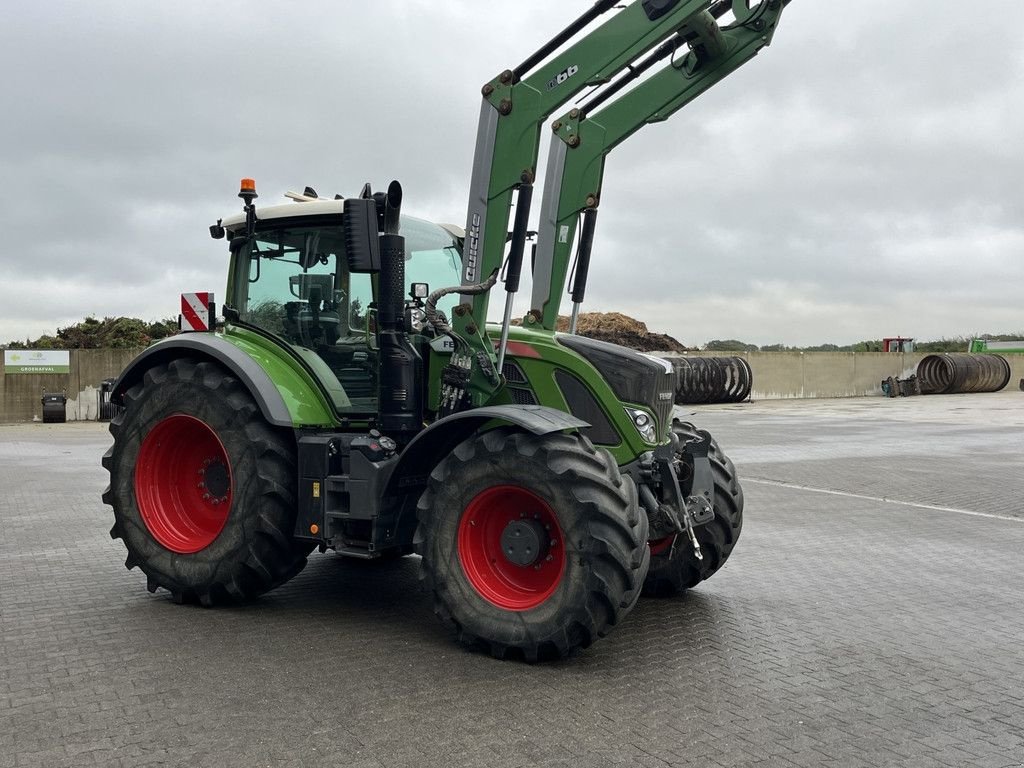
(401,368)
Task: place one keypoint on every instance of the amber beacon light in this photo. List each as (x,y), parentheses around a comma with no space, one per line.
(248,189)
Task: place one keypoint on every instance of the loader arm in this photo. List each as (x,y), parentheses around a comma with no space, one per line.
(584,137)
(515,106)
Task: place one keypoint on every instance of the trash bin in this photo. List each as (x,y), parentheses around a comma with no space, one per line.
(108,410)
(55,407)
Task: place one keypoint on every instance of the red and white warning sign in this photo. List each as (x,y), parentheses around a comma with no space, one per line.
(195,312)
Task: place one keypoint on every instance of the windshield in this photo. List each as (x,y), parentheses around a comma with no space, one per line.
(432,256)
(297,286)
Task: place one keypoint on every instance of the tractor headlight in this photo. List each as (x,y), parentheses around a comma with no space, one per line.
(644,424)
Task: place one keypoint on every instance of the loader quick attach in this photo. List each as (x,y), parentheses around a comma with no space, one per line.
(353,396)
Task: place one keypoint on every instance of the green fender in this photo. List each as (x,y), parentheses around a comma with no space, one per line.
(289,398)
(435,442)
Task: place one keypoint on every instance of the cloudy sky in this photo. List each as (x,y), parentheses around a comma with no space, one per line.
(861,178)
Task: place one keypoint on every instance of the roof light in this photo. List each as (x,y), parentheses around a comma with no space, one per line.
(248,188)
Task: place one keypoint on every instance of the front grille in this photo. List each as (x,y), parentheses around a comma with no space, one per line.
(521,396)
(633,377)
(583,405)
(664,403)
(513,373)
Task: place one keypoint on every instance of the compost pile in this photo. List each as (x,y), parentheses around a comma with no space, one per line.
(621,329)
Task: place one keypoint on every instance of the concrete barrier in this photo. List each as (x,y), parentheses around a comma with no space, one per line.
(777,375)
(785,375)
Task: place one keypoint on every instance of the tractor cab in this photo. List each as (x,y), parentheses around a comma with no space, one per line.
(292,279)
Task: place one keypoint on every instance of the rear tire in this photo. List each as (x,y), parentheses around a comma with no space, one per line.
(202,488)
(674,566)
(593,552)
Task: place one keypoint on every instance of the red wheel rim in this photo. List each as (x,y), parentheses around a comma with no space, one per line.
(183,484)
(660,546)
(498,580)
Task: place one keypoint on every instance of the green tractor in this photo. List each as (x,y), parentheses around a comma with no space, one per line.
(352,396)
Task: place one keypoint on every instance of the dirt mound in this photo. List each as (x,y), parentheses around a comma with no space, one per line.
(621,329)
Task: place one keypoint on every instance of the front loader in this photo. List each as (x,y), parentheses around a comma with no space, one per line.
(353,397)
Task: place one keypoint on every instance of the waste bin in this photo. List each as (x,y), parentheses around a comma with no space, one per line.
(55,407)
(108,410)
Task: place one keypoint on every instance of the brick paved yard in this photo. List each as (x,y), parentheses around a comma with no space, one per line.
(870,616)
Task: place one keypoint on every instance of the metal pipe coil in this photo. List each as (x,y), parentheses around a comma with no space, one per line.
(961,373)
(712,380)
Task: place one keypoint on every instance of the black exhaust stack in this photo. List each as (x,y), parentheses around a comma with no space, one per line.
(401,368)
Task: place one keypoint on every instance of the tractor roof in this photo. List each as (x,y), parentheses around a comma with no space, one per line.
(307,207)
(311,206)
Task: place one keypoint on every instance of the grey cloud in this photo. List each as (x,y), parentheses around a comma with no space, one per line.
(863,168)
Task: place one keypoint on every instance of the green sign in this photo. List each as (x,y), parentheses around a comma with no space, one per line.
(37,361)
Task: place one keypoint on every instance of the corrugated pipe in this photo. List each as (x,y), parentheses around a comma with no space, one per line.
(712,380)
(960,373)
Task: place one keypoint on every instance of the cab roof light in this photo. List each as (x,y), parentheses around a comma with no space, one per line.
(248,189)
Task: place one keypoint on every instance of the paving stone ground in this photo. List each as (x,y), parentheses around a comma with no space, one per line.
(871,616)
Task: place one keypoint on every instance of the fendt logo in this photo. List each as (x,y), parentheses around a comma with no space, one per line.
(562,76)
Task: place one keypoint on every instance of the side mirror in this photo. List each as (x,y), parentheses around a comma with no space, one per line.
(362,239)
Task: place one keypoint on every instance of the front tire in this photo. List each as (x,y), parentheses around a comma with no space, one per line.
(202,488)
(674,566)
(573,527)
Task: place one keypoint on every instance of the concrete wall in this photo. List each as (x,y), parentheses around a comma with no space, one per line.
(1016,370)
(777,375)
(20,393)
(781,375)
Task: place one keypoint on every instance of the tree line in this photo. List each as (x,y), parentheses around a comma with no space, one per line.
(108,333)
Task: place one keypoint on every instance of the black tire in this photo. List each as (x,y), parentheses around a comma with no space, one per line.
(605,554)
(254,550)
(677,568)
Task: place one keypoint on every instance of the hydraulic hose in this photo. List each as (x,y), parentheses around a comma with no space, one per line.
(436,318)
